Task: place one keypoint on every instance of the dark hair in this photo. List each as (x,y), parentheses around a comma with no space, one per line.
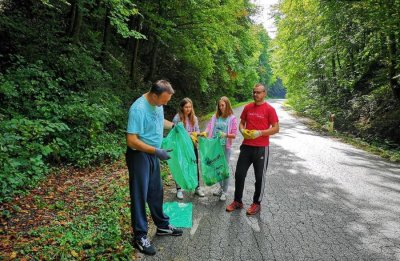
(161,86)
(191,115)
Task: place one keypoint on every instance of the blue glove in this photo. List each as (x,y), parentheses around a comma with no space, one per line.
(163,154)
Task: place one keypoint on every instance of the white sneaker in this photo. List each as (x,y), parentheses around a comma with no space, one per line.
(199,192)
(179,194)
(218,192)
(223,196)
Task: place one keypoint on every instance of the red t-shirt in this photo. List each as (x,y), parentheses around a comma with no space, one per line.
(258,117)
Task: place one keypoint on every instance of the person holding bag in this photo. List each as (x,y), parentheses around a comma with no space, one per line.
(143,137)
(223,124)
(187,116)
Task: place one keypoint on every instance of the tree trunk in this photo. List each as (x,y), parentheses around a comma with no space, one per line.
(394,82)
(106,34)
(154,56)
(98,5)
(72,14)
(137,25)
(392,50)
(338,59)
(134,61)
(333,67)
(76,22)
(352,63)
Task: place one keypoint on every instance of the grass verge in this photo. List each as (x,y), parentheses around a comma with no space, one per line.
(378,147)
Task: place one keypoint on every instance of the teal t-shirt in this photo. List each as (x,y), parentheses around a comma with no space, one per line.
(221,125)
(146,121)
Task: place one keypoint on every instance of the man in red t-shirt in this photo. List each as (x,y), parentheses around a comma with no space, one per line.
(258,121)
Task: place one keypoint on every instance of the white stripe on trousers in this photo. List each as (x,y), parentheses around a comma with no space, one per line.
(265,167)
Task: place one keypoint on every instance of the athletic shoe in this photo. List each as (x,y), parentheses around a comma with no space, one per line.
(218,192)
(253,209)
(179,194)
(233,206)
(222,197)
(169,231)
(199,192)
(144,245)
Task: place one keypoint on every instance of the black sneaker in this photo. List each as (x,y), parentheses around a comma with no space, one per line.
(169,231)
(144,245)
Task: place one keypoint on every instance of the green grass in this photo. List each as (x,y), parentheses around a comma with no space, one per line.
(377,147)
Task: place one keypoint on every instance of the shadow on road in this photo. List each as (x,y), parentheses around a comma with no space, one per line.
(310,210)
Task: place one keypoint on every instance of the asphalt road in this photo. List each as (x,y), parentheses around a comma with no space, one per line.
(324,200)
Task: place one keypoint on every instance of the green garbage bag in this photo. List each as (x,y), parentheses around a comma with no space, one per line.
(214,167)
(180,214)
(183,164)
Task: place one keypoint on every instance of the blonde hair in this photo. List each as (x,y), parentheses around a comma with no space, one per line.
(228,108)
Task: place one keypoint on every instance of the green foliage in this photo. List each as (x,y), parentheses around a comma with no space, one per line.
(121,11)
(43,123)
(339,56)
(24,147)
(80,71)
(70,69)
(211,48)
(97,119)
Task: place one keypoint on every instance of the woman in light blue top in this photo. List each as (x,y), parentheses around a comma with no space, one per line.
(223,124)
(187,116)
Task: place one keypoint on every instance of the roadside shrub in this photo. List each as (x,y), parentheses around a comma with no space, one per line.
(96,121)
(45,121)
(24,147)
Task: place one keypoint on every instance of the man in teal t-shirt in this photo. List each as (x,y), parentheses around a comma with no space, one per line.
(144,135)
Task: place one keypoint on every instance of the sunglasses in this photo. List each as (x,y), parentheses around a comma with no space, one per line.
(258,92)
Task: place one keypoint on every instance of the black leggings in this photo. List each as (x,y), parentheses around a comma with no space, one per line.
(258,156)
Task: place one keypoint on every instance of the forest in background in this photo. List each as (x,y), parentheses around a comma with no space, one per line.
(342,57)
(69,70)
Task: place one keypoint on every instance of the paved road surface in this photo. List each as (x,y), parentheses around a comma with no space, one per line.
(324,200)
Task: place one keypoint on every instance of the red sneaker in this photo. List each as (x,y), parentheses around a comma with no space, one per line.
(253,209)
(233,206)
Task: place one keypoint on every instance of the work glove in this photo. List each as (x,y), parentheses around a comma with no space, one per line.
(203,134)
(254,134)
(246,133)
(193,136)
(222,134)
(163,154)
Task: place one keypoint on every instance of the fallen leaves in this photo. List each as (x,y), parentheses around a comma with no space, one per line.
(52,202)
(13,255)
